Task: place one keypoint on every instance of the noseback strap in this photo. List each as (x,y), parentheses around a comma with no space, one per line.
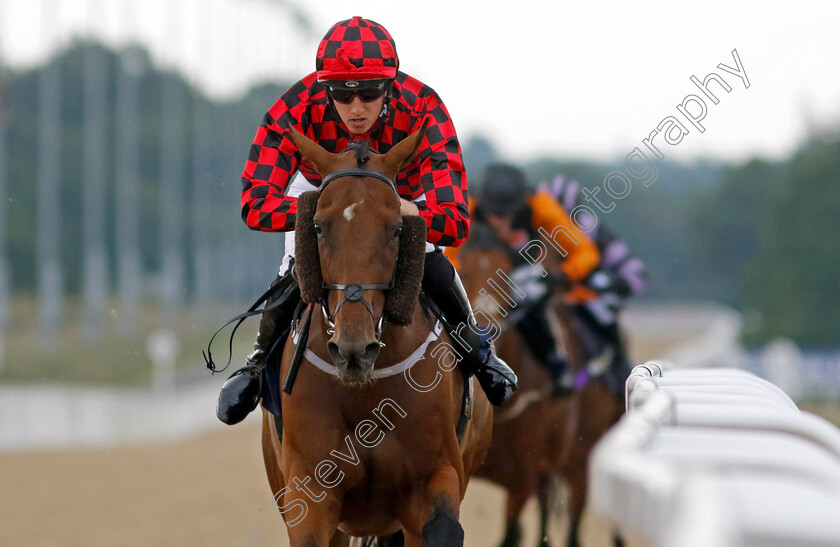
(355,292)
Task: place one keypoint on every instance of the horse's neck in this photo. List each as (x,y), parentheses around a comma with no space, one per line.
(512,347)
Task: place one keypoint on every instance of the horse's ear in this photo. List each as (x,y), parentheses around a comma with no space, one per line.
(320,158)
(398,156)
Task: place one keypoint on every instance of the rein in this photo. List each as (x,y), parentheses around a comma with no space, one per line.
(208,355)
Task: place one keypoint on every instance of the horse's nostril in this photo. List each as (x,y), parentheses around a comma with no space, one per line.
(371,352)
(357,359)
(335,353)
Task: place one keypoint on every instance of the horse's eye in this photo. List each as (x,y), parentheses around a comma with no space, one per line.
(318,230)
(398,231)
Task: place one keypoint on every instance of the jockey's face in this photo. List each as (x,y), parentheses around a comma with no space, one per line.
(503,224)
(358,115)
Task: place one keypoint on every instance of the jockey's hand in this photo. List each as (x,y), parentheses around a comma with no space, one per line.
(408,209)
(602,282)
(537,287)
(530,281)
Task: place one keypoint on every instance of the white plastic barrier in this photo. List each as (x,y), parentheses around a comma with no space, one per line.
(717,457)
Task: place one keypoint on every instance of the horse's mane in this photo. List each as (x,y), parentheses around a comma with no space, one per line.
(362,151)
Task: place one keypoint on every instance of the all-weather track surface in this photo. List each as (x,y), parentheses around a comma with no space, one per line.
(210,491)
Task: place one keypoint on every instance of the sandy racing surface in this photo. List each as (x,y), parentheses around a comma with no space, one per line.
(210,491)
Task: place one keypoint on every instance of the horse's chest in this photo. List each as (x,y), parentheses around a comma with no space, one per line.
(383,451)
(393,465)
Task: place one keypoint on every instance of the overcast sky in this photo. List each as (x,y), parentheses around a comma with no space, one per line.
(582,79)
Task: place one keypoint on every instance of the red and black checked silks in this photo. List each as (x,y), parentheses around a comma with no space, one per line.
(436,173)
(356,49)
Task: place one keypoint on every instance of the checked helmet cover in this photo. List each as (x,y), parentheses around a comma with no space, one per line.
(356,49)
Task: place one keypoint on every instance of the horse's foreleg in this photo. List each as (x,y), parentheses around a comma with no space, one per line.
(546,495)
(513,535)
(599,410)
(575,472)
(443,528)
(515,503)
(340,539)
(433,519)
(271,449)
(311,515)
(576,478)
(316,530)
(299,512)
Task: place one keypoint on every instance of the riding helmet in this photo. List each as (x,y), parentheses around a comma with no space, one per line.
(357,49)
(502,190)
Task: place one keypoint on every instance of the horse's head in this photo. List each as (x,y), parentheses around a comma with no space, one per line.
(355,254)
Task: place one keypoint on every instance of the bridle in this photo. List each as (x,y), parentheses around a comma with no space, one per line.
(357,172)
(355,292)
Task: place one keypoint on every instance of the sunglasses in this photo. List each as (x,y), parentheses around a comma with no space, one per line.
(367,90)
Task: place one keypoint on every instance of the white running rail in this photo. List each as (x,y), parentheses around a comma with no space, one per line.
(716,457)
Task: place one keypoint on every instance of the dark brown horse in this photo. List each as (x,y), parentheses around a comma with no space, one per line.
(596,410)
(536,437)
(369,445)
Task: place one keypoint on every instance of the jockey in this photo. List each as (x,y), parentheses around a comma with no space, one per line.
(516,214)
(619,276)
(357,93)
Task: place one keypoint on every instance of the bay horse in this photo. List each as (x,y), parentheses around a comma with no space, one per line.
(536,437)
(368,445)
(596,410)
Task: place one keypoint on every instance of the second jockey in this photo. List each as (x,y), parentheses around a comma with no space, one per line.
(518,215)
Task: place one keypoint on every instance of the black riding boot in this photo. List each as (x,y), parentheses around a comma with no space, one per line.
(241,392)
(620,364)
(496,378)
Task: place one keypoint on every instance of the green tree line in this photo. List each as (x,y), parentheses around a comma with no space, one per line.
(225,130)
(760,236)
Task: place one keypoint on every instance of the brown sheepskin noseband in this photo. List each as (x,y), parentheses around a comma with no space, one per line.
(408,275)
(307,260)
(400,302)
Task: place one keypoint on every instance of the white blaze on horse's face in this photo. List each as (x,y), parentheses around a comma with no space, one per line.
(350,211)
